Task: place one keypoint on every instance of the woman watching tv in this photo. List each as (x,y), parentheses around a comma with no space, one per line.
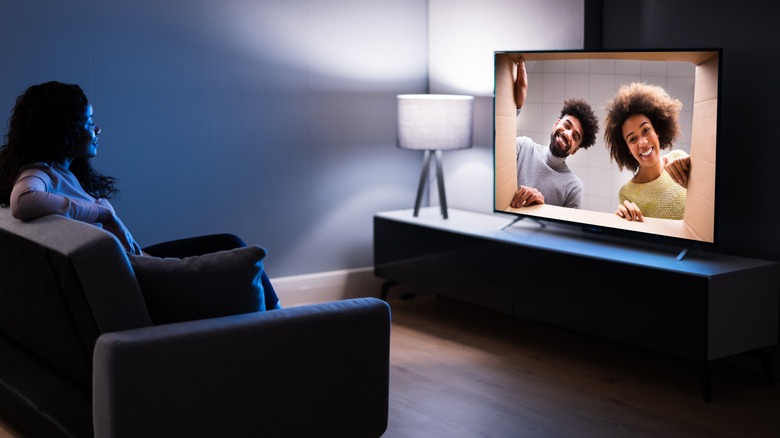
(640,121)
(45,165)
(45,168)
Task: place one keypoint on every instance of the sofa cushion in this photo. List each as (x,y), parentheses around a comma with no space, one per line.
(199,287)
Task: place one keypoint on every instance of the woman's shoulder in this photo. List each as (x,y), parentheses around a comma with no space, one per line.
(51,174)
(628,185)
(35,169)
(628,190)
(40,166)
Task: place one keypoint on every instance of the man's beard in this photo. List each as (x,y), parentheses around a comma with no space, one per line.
(555,148)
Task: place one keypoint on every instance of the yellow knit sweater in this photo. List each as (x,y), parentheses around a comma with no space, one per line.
(661,198)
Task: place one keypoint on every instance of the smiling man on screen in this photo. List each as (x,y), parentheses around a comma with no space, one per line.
(542,174)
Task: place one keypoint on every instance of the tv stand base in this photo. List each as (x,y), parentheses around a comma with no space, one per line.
(518,219)
(702,306)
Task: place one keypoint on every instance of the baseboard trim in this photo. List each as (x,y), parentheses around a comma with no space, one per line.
(298,290)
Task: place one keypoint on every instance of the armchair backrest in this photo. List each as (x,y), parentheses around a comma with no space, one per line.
(63,283)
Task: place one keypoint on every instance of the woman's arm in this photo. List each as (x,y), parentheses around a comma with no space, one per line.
(31,200)
(111,223)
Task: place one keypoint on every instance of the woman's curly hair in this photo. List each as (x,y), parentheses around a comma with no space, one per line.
(584,113)
(639,98)
(45,124)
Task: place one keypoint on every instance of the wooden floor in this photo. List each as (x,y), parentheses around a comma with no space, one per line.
(6,431)
(462,371)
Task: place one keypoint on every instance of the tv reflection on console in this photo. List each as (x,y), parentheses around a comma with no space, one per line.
(691,76)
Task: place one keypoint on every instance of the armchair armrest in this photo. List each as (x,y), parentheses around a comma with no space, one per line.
(313,370)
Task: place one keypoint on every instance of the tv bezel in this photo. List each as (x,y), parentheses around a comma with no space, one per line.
(619,231)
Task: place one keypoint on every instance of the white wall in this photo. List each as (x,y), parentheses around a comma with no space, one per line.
(463,34)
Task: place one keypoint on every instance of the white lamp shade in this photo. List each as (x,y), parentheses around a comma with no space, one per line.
(435,121)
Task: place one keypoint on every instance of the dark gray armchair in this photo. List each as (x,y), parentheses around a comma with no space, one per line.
(80,357)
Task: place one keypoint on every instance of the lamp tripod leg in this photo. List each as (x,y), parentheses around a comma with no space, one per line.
(440,180)
(423,178)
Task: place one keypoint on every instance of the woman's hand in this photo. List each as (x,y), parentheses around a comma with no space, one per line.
(526,196)
(111,223)
(629,211)
(678,168)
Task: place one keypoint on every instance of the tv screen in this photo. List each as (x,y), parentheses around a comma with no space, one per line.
(525,139)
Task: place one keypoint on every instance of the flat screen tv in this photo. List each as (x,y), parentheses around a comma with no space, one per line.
(691,76)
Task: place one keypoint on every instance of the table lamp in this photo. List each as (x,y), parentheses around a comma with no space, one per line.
(434,123)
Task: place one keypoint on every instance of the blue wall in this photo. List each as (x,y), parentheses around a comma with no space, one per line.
(272,120)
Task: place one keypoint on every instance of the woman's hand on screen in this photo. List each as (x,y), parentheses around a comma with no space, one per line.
(629,211)
(678,168)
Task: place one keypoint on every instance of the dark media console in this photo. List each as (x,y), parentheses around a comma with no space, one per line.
(703,307)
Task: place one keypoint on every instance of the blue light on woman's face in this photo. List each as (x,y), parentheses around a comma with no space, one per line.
(88,144)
